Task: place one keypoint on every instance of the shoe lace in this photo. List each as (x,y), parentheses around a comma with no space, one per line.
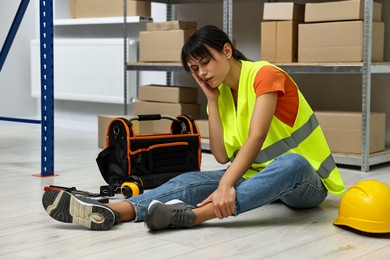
(182,217)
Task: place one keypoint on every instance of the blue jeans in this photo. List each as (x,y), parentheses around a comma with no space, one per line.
(289,178)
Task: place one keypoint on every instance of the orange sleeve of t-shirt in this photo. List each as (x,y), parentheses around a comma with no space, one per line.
(270,79)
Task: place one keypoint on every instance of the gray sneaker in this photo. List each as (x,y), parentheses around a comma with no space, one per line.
(173,214)
(66,207)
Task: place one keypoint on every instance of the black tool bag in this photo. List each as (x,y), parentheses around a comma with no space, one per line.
(154,159)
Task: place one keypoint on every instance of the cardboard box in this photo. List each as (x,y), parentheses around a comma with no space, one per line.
(140,127)
(164,126)
(283,11)
(171,25)
(343,131)
(338,42)
(340,11)
(161,127)
(203,126)
(279,41)
(169,94)
(172,109)
(169,45)
(108,8)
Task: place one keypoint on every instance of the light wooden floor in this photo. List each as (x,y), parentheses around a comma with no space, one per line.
(271,232)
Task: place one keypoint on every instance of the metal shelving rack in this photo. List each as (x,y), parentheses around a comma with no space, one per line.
(168,67)
(365,68)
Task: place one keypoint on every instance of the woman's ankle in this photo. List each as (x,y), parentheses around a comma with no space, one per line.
(125,209)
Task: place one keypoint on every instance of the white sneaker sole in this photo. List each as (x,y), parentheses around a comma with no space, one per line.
(64,207)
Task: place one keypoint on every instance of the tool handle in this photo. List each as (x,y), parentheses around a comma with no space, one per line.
(151,117)
(54,187)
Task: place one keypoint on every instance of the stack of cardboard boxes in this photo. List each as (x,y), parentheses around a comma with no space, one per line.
(162,42)
(167,100)
(333,32)
(279,31)
(108,8)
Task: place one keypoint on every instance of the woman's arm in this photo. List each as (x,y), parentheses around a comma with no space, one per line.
(258,130)
(223,198)
(217,146)
(215,126)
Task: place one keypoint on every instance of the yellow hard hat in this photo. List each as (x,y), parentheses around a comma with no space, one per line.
(366,207)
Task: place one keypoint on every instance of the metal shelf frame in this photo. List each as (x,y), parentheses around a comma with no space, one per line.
(365,69)
(47,82)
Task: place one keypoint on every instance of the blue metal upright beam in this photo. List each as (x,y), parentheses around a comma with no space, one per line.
(47,87)
(12,32)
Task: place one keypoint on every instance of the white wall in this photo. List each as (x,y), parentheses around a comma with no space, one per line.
(83,115)
(15,98)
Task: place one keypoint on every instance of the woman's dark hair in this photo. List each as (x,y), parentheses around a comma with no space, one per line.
(207,36)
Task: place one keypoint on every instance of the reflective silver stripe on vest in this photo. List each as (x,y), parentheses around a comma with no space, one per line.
(291,142)
(326,167)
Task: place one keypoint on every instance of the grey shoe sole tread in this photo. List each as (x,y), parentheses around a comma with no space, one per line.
(64,207)
(151,212)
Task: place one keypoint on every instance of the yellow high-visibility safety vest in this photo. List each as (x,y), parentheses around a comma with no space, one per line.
(305,137)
